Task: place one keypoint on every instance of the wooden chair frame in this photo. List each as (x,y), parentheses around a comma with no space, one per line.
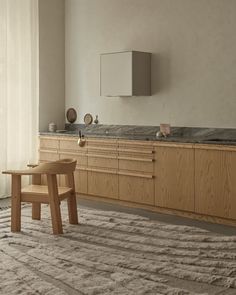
(50,194)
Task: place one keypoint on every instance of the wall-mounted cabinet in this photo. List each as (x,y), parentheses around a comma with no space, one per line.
(125,73)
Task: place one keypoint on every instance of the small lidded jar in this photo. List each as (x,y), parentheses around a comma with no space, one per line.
(52,127)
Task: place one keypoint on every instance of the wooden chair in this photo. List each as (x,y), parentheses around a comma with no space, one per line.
(50,194)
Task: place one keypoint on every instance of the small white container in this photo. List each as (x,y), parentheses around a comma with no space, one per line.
(52,127)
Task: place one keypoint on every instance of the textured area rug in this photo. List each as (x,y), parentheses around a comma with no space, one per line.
(113,253)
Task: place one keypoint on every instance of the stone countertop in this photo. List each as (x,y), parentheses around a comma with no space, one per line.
(219,136)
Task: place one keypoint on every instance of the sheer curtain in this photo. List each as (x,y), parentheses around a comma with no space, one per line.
(18,85)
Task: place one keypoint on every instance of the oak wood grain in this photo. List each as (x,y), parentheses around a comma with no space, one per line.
(174,178)
(215,183)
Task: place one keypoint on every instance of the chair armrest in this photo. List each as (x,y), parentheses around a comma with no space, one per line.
(21,172)
(59,167)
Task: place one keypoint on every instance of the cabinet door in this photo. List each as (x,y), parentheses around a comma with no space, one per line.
(81,178)
(174,178)
(136,189)
(103,183)
(215,183)
(116,74)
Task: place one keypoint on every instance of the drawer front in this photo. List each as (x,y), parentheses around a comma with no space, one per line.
(136,189)
(48,156)
(98,161)
(142,148)
(48,143)
(136,165)
(81,158)
(106,143)
(103,184)
(71,145)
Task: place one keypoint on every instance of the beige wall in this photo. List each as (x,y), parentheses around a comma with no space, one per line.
(193,65)
(51,63)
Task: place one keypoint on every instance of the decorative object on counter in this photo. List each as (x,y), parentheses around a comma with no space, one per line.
(96,120)
(81,140)
(52,127)
(165,129)
(71,115)
(159,134)
(88,119)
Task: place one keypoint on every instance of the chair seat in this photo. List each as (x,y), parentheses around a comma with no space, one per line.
(41,191)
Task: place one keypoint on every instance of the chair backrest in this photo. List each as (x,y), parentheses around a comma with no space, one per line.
(64,166)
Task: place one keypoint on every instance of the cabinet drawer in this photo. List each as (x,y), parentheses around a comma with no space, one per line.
(48,156)
(103,184)
(98,161)
(102,142)
(79,157)
(139,165)
(48,143)
(136,189)
(71,145)
(135,147)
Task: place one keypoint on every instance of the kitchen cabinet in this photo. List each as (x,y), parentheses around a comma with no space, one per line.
(215,182)
(136,183)
(125,73)
(102,168)
(192,180)
(174,177)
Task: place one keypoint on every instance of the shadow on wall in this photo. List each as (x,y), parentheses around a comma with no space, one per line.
(160,73)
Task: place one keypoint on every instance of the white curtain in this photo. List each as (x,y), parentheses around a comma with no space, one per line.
(18,86)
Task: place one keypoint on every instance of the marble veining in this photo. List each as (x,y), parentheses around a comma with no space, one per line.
(226,136)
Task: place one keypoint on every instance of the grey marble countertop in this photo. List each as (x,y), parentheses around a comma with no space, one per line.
(219,136)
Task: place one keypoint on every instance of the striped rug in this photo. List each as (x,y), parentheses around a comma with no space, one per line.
(113,253)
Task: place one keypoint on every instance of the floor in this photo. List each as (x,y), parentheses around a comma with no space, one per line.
(171,219)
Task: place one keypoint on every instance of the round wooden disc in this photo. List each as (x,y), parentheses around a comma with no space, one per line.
(71,115)
(88,119)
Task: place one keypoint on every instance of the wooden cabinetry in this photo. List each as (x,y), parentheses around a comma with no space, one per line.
(215,182)
(69,148)
(102,168)
(135,160)
(193,180)
(48,149)
(55,148)
(174,172)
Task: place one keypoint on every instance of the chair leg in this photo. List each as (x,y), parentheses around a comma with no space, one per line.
(36,211)
(54,203)
(16,204)
(36,207)
(71,201)
(72,209)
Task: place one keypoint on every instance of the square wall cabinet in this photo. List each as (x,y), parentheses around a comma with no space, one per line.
(125,73)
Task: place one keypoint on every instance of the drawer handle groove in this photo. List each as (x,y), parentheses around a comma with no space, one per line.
(136,175)
(135,159)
